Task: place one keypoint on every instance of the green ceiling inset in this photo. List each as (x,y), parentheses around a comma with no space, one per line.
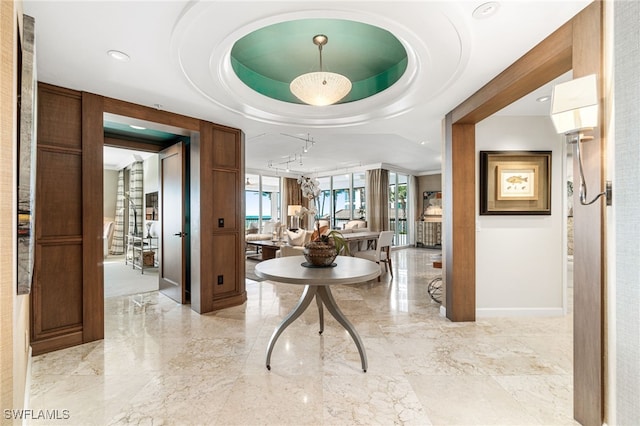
(150,135)
(268,59)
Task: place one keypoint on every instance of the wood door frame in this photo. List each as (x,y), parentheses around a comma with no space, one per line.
(577,46)
(75,122)
(93,109)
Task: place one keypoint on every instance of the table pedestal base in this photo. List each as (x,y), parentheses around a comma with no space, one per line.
(323,296)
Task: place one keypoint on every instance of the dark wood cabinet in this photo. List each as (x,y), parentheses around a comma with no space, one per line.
(217,199)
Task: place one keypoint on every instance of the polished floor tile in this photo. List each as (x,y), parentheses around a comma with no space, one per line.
(163,364)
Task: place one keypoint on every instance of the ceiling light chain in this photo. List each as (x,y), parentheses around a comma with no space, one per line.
(320,40)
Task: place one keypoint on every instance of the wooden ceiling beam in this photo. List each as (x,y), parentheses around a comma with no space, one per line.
(549,59)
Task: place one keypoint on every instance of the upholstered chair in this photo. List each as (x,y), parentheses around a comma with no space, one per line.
(381,252)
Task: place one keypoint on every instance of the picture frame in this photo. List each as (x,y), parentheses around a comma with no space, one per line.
(515,182)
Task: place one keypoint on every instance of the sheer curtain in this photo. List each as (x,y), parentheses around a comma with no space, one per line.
(117,244)
(377,195)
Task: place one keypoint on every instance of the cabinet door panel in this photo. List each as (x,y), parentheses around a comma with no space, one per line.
(58,295)
(225,206)
(59,194)
(225,264)
(225,149)
(59,118)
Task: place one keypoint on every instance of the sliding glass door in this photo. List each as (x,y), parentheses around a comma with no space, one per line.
(398,207)
(341,211)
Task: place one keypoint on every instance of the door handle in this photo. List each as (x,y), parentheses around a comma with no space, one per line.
(181,234)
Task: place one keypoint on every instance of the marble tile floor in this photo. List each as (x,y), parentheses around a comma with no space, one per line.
(163,364)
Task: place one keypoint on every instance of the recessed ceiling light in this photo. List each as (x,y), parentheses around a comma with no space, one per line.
(133,126)
(486,10)
(118,55)
(423,143)
(543,98)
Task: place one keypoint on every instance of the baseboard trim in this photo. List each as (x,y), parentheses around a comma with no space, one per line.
(27,384)
(443,311)
(519,312)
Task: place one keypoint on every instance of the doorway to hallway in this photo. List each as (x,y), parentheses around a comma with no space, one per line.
(130,179)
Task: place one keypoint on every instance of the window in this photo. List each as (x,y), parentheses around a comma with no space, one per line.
(324,209)
(341,212)
(252,200)
(271,198)
(342,198)
(398,207)
(359,200)
(262,199)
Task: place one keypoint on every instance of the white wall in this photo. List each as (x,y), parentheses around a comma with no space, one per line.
(110,187)
(151,174)
(624,250)
(520,259)
(151,184)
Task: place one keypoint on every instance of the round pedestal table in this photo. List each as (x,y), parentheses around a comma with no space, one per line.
(317,283)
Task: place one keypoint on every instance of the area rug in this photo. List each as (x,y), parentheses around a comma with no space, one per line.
(250,269)
(121,279)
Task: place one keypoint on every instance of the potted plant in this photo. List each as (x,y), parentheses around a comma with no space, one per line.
(324,248)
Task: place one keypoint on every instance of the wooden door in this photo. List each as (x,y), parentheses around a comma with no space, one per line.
(173,238)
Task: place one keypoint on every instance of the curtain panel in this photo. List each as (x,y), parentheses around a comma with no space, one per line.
(413,206)
(293,196)
(378,199)
(117,244)
(136,181)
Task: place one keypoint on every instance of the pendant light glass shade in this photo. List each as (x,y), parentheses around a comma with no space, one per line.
(320,88)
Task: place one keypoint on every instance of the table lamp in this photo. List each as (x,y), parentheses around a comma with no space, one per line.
(293,211)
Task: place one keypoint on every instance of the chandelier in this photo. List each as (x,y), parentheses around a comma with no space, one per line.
(320,88)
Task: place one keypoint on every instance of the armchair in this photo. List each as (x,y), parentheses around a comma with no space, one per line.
(381,252)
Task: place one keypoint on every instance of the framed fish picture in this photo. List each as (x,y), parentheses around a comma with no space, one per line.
(515,182)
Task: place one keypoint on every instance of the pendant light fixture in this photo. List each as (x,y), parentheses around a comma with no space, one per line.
(320,88)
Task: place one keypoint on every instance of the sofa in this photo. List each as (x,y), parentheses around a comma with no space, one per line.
(355,224)
(266,233)
(296,240)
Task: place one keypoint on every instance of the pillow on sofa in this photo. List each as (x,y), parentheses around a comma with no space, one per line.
(268,227)
(355,224)
(296,238)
